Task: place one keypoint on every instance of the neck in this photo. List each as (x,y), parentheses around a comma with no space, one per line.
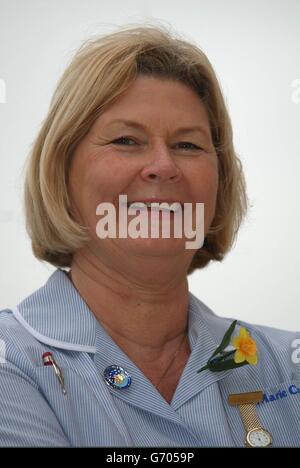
(144,317)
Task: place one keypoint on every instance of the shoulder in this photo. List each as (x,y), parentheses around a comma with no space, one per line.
(11,328)
(220,324)
(27,418)
(278,349)
(18,347)
(55,315)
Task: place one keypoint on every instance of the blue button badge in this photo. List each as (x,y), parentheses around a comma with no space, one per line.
(117,377)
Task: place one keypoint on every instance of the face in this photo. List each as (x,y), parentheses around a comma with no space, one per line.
(155,155)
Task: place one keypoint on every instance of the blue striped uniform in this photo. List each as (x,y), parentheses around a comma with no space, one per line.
(34,411)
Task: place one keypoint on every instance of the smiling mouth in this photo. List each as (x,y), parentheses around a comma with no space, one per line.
(156,206)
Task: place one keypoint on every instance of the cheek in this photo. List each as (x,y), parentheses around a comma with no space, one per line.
(205,181)
(94,179)
(205,189)
(82,183)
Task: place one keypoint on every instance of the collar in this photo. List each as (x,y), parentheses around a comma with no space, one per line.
(57,315)
(205,332)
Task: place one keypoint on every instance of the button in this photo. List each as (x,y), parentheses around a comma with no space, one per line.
(117,377)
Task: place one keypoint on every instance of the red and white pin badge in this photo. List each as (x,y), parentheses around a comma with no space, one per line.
(49,360)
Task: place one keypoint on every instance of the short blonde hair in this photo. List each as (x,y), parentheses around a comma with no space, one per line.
(101,70)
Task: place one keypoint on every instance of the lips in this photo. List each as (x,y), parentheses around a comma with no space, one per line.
(163,206)
(155,200)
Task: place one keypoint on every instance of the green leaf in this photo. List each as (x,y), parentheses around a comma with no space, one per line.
(202,369)
(226,365)
(225,341)
(216,361)
(221,357)
(228,353)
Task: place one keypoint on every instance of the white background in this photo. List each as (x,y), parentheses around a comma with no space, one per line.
(254,47)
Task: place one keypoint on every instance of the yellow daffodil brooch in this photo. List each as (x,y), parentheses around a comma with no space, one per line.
(244,351)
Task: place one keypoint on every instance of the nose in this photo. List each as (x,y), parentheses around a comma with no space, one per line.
(162,167)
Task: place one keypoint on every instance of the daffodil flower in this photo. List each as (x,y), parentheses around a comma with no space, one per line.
(244,351)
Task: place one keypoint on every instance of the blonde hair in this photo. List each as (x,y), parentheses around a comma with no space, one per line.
(101,70)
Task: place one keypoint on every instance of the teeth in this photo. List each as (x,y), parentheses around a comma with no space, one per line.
(154,205)
(139,204)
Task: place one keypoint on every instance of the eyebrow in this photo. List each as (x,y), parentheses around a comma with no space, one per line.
(180,130)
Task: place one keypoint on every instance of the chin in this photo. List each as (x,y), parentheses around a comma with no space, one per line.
(152,246)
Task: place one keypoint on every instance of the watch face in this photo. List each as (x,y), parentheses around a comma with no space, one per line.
(259,438)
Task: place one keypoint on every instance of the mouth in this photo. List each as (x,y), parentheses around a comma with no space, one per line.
(163,206)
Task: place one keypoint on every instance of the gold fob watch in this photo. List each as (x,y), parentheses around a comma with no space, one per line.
(256,435)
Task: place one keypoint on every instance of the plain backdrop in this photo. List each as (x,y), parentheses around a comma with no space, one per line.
(254,47)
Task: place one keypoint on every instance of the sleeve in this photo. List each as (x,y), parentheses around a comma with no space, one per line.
(26,419)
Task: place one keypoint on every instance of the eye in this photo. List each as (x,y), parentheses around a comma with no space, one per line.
(192,146)
(122,139)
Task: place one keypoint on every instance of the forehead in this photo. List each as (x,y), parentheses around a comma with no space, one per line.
(156,102)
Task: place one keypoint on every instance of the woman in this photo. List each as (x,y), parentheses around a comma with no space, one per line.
(106,353)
